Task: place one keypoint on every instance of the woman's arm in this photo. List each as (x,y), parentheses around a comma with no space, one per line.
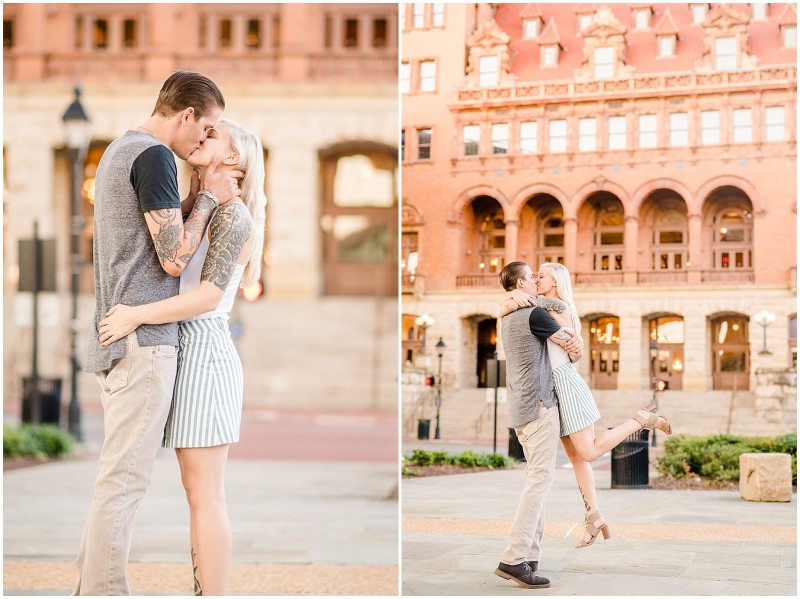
(562,338)
(229,229)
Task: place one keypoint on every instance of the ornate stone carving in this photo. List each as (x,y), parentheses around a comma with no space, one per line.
(488,40)
(725,20)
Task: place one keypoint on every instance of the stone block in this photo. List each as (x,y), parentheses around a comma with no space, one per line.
(765,476)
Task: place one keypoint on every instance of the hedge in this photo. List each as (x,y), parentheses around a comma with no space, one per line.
(467,459)
(40,441)
(717,456)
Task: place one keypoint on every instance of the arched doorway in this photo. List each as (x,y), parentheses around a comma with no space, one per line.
(411,339)
(359,219)
(604,352)
(668,331)
(730,347)
(487,346)
(484,243)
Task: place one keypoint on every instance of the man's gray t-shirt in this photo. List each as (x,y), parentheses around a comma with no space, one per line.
(136,174)
(530,377)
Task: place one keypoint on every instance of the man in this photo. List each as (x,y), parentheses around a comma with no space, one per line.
(533,412)
(141,245)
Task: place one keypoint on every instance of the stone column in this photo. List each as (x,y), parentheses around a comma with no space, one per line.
(571,243)
(630,355)
(630,264)
(695,249)
(29,63)
(697,366)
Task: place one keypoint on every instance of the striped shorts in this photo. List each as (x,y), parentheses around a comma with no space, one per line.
(576,406)
(207,400)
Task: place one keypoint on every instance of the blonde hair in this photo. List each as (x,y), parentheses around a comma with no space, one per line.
(251,162)
(564,289)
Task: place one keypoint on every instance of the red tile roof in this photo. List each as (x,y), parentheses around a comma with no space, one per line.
(764,40)
(549,35)
(666,26)
(531,11)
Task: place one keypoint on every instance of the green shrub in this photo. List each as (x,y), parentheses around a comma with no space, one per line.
(717,456)
(39,441)
(467,459)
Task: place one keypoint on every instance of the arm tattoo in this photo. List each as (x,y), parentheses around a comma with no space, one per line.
(195,226)
(167,241)
(229,230)
(551,303)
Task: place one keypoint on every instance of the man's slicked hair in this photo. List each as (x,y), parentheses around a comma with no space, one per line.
(185,89)
(511,273)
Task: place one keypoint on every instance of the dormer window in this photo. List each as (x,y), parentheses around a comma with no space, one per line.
(759,11)
(549,55)
(583,21)
(725,53)
(667,45)
(603,62)
(489,71)
(438,14)
(641,18)
(698,13)
(531,28)
(789,36)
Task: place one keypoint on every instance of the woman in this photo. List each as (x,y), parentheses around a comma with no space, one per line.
(577,408)
(207,401)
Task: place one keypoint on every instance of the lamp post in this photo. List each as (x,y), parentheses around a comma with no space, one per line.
(653,380)
(440,352)
(77,127)
(424,322)
(764,318)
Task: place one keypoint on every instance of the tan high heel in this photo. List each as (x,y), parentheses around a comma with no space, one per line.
(592,529)
(652,419)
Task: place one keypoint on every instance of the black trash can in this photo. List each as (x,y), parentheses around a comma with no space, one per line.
(514,446)
(49,400)
(424,429)
(630,462)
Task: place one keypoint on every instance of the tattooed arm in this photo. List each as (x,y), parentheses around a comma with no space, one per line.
(230,228)
(176,241)
(515,299)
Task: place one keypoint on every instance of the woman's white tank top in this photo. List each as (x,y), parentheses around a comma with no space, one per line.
(190,280)
(557,354)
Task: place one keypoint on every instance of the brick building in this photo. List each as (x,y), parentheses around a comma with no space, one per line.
(317,82)
(651,148)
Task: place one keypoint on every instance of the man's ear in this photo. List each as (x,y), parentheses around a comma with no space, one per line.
(187,114)
(231,159)
(519,284)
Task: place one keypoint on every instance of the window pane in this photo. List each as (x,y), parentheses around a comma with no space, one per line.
(528,137)
(611,237)
(709,127)
(379,29)
(617,138)
(427,76)
(225,33)
(500,138)
(405,78)
(679,129)
(351,33)
(531,28)
(359,240)
(8,33)
(101,33)
(472,138)
(774,117)
(438,14)
(488,71)
(253,38)
(742,130)
(558,136)
(603,63)
(789,36)
(549,56)
(424,144)
(666,45)
(587,140)
(419,14)
(359,182)
(647,131)
(129,38)
(726,53)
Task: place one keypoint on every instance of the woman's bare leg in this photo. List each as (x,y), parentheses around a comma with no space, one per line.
(590,447)
(584,476)
(203,477)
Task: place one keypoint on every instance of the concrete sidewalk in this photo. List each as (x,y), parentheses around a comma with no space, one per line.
(663,542)
(324,522)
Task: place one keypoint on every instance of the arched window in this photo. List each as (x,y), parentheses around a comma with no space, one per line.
(730,348)
(491,241)
(604,352)
(732,239)
(551,238)
(670,242)
(609,239)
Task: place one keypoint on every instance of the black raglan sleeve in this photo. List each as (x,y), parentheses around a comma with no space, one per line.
(542,325)
(154,176)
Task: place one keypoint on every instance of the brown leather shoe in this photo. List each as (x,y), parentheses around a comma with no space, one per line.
(522,575)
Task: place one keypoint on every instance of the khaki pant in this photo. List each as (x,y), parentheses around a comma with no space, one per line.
(136,396)
(539,440)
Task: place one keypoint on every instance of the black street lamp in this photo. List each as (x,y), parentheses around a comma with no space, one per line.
(440,352)
(77,127)
(653,380)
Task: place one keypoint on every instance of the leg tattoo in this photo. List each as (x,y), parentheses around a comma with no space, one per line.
(197,590)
